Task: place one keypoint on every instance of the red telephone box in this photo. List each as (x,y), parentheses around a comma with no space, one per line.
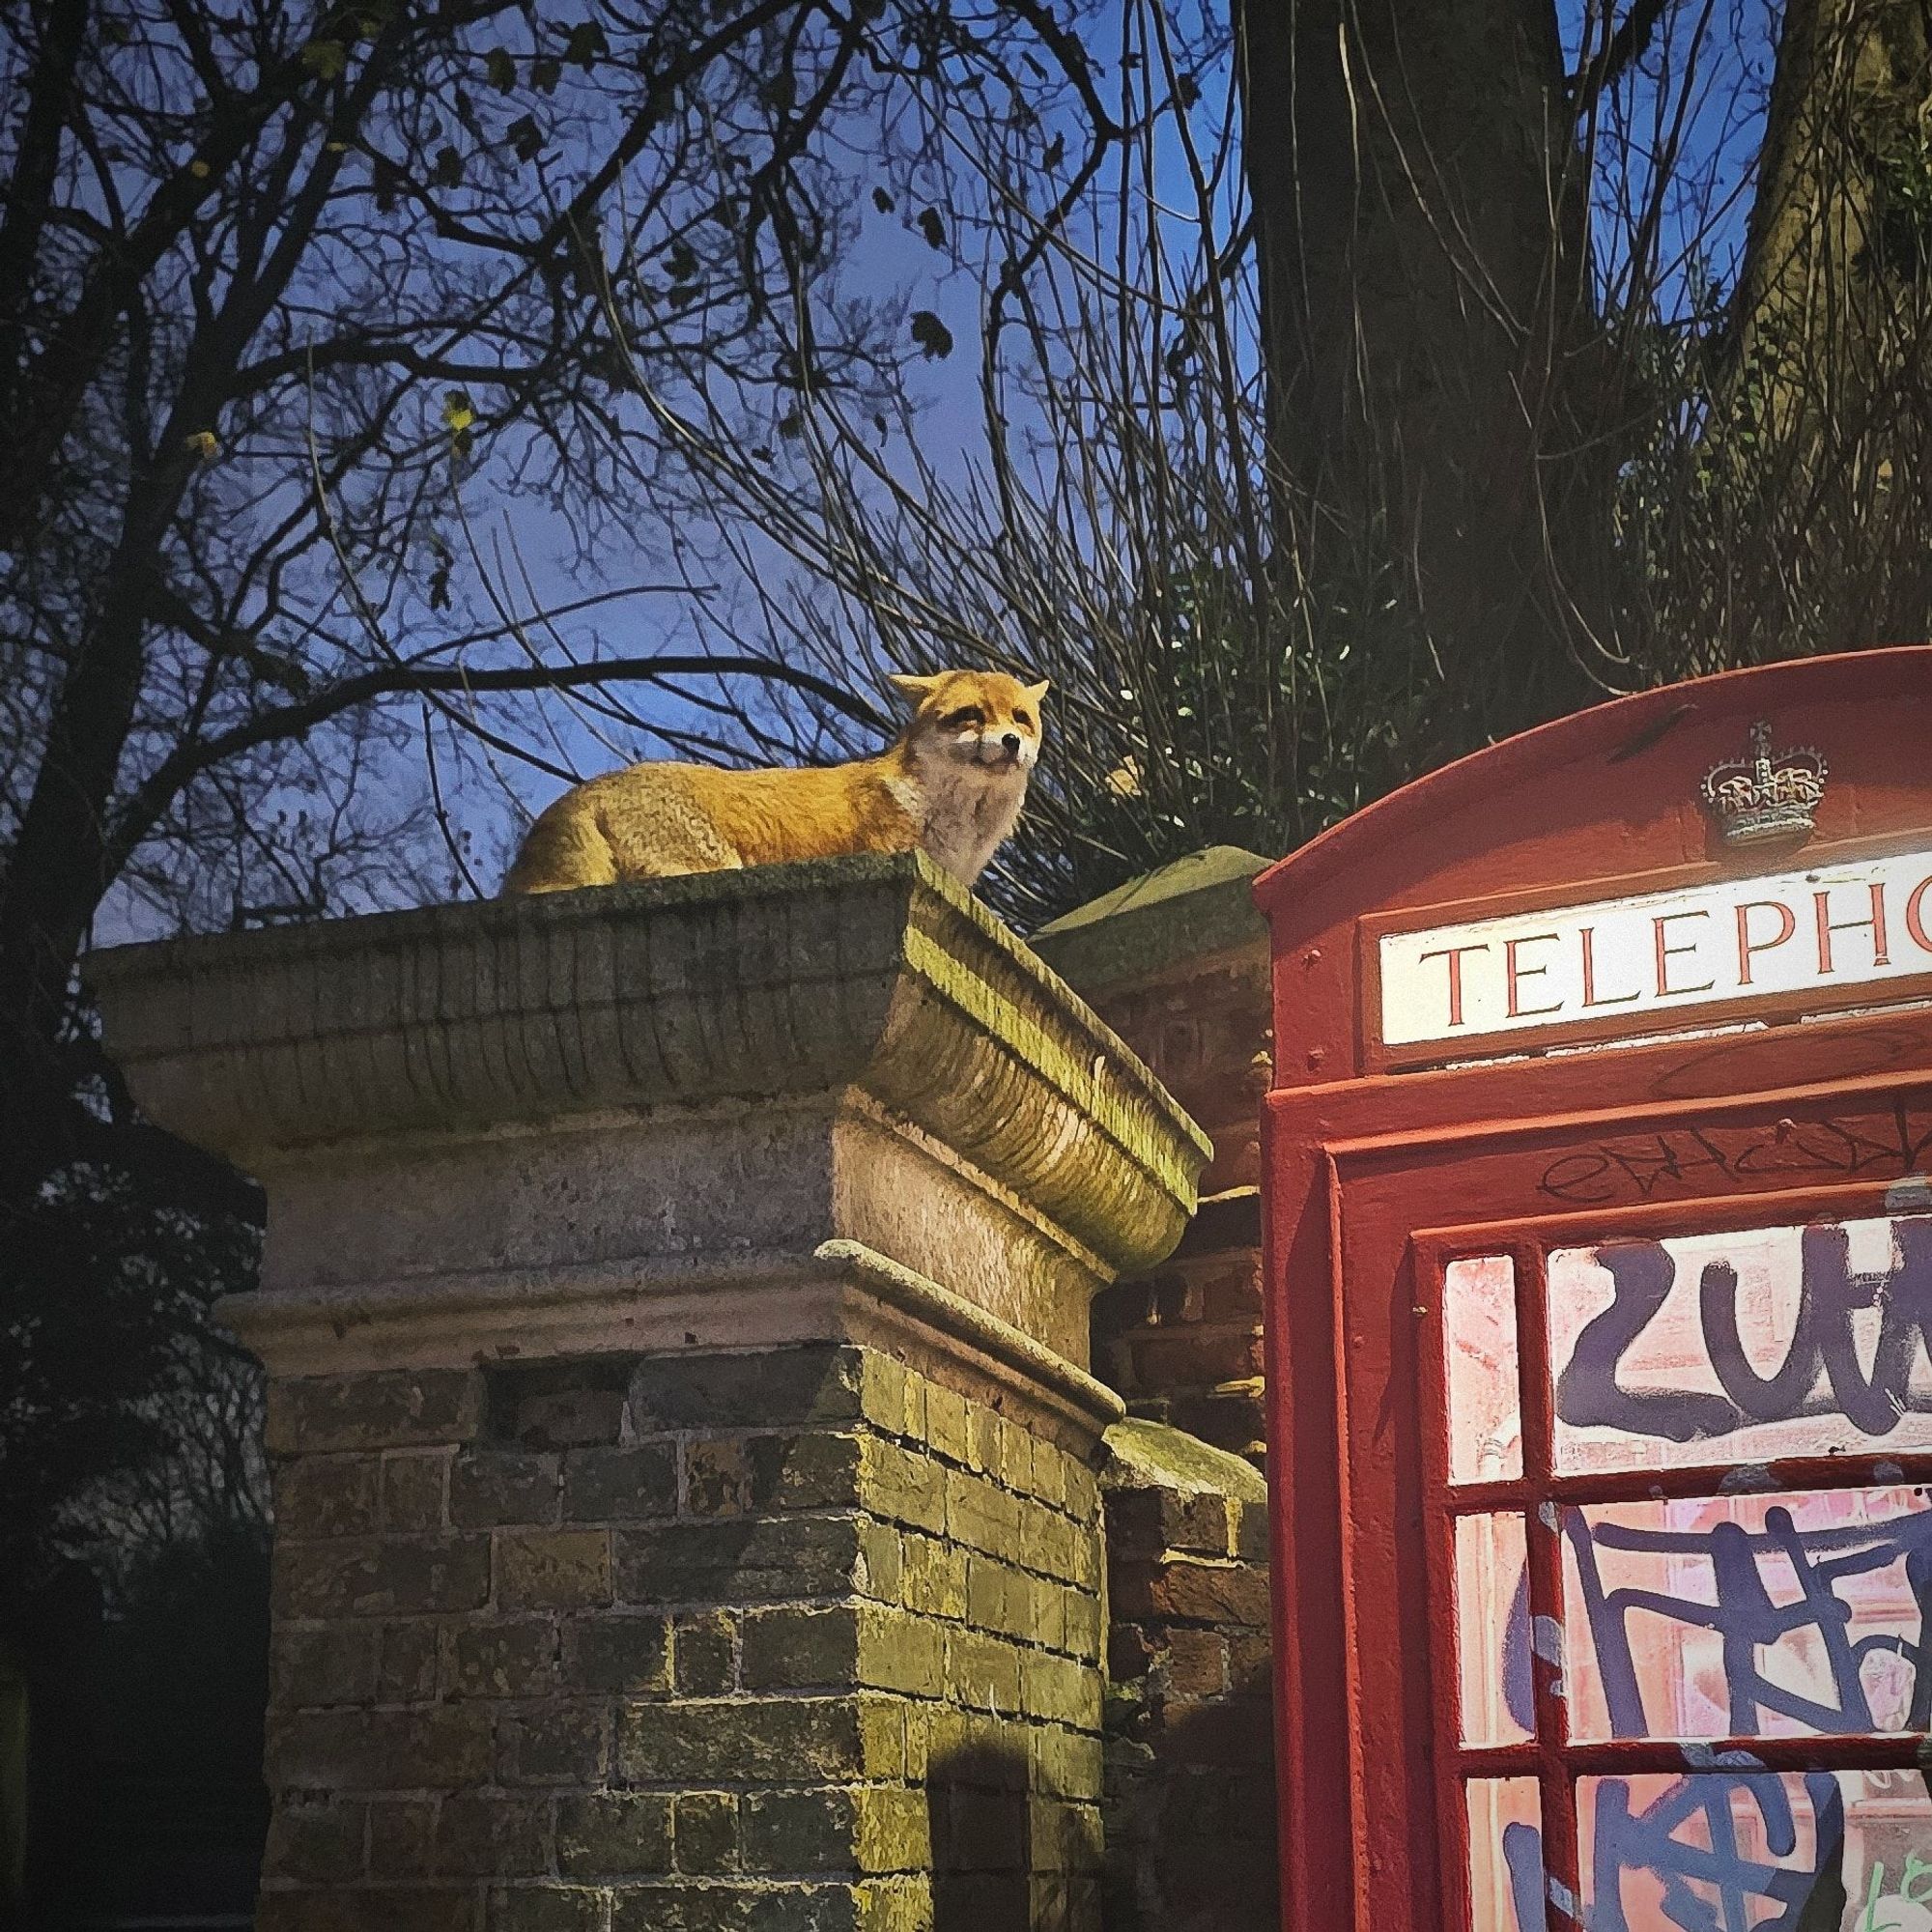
(1600,1264)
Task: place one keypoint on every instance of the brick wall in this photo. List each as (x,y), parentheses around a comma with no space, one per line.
(1189,1763)
(1177,963)
(766,1641)
(1184,1346)
(1205,1027)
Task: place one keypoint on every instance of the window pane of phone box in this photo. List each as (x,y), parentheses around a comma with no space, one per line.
(1478,1341)
(1492,1630)
(1742,1347)
(1736,1848)
(1747,1616)
(1505,1856)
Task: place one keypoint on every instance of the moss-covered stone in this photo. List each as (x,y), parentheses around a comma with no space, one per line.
(1195,908)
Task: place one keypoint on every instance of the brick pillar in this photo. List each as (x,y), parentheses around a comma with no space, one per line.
(1190,1798)
(1177,962)
(676,1299)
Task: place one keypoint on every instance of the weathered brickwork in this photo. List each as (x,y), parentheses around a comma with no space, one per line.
(793,1640)
(1204,1029)
(1190,1762)
(1177,962)
(1184,1346)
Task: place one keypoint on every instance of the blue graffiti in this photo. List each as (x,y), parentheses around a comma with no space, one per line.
(1707,1881)
(1523,1855)
(1822,1345)
(1747,1619)
(1648,1841)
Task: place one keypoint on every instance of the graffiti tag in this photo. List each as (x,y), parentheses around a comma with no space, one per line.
(1821,1372)
(1643,1167)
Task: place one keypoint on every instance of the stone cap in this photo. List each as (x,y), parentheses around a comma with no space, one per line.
(1191,909)
(1144,1455)
(876,973)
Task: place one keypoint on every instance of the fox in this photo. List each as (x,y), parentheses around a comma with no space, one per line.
(952,783)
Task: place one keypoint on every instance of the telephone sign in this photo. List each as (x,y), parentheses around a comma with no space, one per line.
(1826,934)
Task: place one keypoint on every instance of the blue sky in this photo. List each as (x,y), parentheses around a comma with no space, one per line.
(1701,86)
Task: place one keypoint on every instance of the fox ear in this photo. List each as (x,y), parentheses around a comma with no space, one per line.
(1037,692)
(917,689)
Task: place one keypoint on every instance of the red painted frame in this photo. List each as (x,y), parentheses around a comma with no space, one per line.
(1368,1169)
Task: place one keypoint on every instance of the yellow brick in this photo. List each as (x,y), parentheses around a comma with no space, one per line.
(903,1485)
(1049,1473)
(1083,1492)
(983,1452)
(945,1426)
(881,1571)
(1066,1762)
(901,1904)
(1048,1606)
(917,1392)
(981,1515)
(1052,1544)
(1085,1559)
(893,1832)
(932,1576)
(1082,1611)
(986,1592)
(943,1733)
(882,1736)
(1059,1690)
(983,1672)
(882,1393)
(1015,1456)
(897,1652)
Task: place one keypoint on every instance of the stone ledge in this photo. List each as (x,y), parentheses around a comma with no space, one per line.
(875,974)
(1144,1455)
(844,1291)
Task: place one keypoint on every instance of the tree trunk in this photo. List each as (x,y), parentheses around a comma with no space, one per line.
(1842,229)
(1425,290)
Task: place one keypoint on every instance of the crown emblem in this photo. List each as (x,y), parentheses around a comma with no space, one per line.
(1765,796)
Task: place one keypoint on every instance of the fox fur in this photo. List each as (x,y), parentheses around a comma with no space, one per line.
(952,784)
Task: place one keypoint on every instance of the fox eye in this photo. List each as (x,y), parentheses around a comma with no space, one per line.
(1021,717)
(971,715)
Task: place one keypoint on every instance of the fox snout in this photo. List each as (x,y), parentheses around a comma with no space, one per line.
(1004,750)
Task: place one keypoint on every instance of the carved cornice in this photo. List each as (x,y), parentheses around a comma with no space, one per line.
(876,974)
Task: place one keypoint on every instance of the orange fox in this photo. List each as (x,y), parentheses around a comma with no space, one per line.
(952,784)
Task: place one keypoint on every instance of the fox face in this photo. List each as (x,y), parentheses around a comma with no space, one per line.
(983,719)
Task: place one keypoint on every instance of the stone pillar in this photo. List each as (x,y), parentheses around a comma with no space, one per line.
(676,1300)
